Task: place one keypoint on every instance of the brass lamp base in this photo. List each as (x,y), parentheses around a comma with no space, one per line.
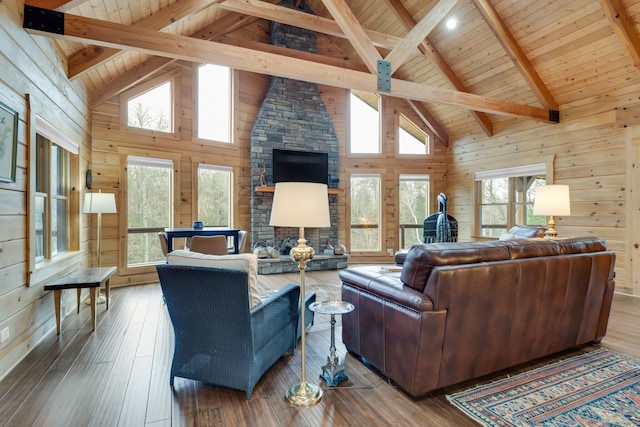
(551,232)
(304,394)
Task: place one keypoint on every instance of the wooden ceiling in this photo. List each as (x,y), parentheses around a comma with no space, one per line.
(506,61)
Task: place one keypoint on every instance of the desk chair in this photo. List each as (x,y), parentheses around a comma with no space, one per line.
(210,245)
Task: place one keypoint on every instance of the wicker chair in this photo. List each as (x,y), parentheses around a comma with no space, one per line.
(218,338)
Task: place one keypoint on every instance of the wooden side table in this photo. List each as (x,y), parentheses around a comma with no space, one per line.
(91,278)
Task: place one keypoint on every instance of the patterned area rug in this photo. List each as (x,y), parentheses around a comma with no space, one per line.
(599,388)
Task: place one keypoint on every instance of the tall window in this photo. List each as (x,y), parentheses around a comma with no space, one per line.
(365,212)
(152,109)
(149,207)
(506,196)
(51,199)
(214,103)
(364,123)
(412,140)
(413,208)
(214,195)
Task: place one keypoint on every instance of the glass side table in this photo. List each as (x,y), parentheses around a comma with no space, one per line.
(333,371)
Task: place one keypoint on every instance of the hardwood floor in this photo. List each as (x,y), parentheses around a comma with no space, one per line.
(119,375)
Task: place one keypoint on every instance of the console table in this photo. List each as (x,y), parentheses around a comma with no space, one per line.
(173,233)
(91,278)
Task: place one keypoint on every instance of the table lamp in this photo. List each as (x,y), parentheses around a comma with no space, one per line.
(99,203)
(301,204)
(552,200)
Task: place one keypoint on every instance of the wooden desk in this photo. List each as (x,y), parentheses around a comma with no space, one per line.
(91,278)
(206,231)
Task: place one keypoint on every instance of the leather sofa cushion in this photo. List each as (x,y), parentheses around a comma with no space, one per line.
(530,248)
(422,258)
(523,231)
(576,245)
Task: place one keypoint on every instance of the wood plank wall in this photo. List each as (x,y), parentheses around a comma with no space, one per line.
(593,151)
(31,65)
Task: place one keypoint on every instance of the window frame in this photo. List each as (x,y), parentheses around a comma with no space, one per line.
(174,79)
(233,97)
(429,199)
(123,267)
(529,169)
(38,269)
(195,190)
(349,151)
(381,226)
(428,135)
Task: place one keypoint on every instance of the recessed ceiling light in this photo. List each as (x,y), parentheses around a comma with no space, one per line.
(452,23)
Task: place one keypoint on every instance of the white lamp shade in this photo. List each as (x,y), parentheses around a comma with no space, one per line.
(552,200)
(300,204)
(99,203)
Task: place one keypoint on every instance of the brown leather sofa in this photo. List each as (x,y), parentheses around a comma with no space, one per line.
(457,311)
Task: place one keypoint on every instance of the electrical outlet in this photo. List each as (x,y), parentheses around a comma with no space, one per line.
(390,251)
(4,334)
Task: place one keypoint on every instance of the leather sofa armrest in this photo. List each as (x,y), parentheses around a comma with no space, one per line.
(386,285)
(400,256)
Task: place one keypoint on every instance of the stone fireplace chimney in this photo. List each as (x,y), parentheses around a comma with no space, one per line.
(292,117)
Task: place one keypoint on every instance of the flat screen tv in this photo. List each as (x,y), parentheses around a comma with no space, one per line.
(300,166)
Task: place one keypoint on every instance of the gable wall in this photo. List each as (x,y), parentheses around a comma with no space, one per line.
(111,139)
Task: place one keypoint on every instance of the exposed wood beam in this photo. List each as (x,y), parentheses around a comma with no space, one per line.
(418,33)
(222,26)
(58,5)
(431,123)
(314,23)
(624,28)
(516,54)
(82,29)
(91,56)
(355,33)
(284,15)
(427,48)
(370,55)
(291,53)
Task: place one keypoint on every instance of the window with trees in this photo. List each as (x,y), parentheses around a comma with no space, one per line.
(413,208)
(365,190)
(149,207)
(214,103)
(506,196)
(52,186)
(215,195)
(152,109)
(364,118)
(411,139)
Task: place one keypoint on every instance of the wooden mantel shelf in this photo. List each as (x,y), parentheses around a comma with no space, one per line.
(272,189)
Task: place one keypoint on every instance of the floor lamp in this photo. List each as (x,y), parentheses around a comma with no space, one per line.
(552,200)
(99,203)
(301,204)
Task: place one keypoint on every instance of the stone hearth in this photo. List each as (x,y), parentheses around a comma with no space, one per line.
(284,264)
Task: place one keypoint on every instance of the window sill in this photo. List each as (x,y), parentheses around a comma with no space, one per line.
(49,268)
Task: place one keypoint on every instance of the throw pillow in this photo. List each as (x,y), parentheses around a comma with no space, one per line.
(244,262)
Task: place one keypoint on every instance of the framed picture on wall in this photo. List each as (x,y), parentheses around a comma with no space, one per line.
(8,143)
